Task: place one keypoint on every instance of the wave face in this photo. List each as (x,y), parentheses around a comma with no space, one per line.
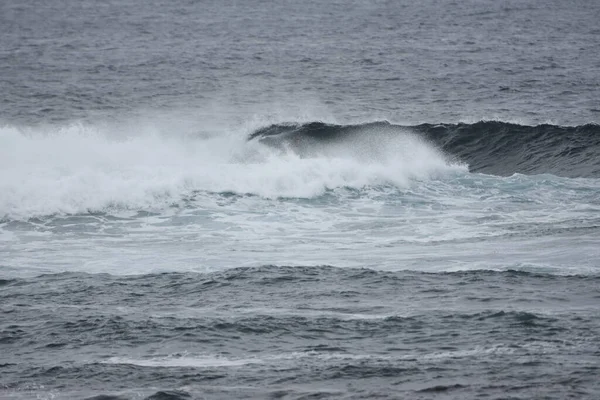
(490,147)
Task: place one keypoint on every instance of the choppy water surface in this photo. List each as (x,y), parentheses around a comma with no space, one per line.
(252,200)
(303,332)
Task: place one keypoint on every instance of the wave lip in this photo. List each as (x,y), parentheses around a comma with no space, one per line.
(491,147)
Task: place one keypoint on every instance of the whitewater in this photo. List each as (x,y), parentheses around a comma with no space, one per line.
(373,198)
(82,168)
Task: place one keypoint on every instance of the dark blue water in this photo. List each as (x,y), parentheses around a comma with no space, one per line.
(382,199)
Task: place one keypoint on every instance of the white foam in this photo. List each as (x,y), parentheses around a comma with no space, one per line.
(215,361)
(185,361)
(80,168)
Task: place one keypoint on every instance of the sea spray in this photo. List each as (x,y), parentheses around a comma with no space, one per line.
(81,168)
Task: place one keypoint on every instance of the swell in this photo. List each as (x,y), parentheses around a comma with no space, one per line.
(491,147)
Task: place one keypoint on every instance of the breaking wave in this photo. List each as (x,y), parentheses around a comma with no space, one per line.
(491,147)
(80,169)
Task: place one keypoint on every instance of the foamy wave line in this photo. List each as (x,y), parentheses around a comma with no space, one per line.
(217,361)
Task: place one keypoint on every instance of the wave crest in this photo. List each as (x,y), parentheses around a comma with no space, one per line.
(491,147)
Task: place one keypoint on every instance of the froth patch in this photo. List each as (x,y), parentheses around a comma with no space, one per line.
(184,362)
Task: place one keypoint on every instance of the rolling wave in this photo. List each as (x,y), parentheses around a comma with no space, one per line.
(491,147)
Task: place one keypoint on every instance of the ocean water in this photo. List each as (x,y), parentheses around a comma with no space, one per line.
(342,199)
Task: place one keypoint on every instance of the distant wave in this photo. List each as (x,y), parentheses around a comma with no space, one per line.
(491,147)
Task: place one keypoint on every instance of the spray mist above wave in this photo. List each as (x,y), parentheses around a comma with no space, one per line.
(82,168)
(490,147)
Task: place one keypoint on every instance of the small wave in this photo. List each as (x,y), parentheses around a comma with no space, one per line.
(169,395)
(160,395)
(442,388)
(6,282)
